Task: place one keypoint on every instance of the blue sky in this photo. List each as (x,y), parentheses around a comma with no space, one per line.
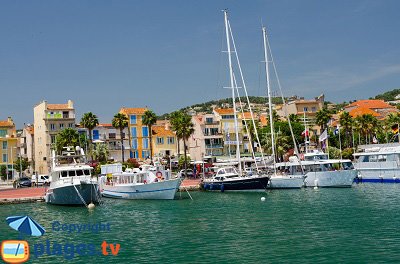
(167,54)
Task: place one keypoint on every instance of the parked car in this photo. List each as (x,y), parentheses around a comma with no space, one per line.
(41,180)
(189,173)
(22,182)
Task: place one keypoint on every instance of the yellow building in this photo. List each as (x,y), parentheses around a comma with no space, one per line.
(8,143)
(164,141)
(139,137)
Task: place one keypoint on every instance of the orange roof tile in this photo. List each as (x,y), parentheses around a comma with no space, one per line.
(247,115)
(362,111)
(263,120)
(104,125)
(6,123)
(130,111)
(57,106)
(161,131)
(372,104)
(224,111)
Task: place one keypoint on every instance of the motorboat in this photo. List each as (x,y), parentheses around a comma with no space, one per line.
(71,179)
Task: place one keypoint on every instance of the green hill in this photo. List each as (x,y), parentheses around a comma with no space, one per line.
(388,96)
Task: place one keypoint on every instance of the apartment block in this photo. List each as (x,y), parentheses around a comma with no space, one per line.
(49,119)
(164,141)
(8,143)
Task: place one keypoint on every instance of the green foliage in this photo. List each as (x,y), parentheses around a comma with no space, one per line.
(89,121)
(24,164)
(67,137)
(388,96)
(334,153)
(322,118)
(181,162)
(347,153)
(101,152)
(120,121)
(3,172)
(149,119)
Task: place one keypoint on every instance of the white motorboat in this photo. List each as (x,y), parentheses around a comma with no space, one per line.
(147,183)
(71,180)
(378,163)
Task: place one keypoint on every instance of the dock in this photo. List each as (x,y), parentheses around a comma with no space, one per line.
(34,194)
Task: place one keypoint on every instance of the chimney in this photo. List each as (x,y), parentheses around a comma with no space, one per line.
(70,104)
(9,120)
(167,125)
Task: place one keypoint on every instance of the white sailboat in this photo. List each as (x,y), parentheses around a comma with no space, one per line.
(278,179)
(230,178)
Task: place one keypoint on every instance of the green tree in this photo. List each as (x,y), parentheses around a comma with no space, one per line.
(367,124)
(183,128)
(90,121)
(346,121)
(120,121)
(175,118)
(294,118)
(149,119)
(322,118)
(67,137)
(23,165)
(101,152)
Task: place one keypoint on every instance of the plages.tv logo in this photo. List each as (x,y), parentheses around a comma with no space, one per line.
(17,251)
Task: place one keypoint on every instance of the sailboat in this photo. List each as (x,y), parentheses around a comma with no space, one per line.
(230,178)
(284,178)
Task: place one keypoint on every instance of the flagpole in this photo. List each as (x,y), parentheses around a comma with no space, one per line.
(327,141)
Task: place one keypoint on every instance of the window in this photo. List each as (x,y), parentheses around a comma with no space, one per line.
(228,117)
(145,143)
(65,114)
(133,132)
(5,145)
(145,154)
(61,126)
(87,172)
(5,158)
(305,109)
(3,132)
(79,172)
(145,131)
(71,173)
(170,140)
(209,120)
(64,173)
(53,139)
(70,124)
(135,154)
(160,140)
(96,134)
(133,119)
(134,143)
(313,109)
(52,127)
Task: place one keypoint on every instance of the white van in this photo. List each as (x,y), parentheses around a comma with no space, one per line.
(42,180)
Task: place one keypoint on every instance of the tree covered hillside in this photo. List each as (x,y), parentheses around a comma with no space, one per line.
(388,96)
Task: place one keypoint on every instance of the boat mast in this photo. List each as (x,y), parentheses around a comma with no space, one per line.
(228,43)
(271,122)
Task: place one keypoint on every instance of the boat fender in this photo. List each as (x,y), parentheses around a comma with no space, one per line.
(301,156)
(262,199)
(222,188)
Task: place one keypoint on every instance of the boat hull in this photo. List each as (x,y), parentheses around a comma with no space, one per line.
(342,178)
(164,190)
(286,182)
(389,175)
(240,184)
(67,194)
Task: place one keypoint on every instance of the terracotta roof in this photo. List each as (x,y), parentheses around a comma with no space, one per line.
(247,115)
(372,104)
(362,111)
(263,120)
(6,123)
(224,111)
(57,106)
(130,111)
(161,131)
(104,125)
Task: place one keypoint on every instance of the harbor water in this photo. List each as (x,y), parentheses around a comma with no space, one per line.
(352,225)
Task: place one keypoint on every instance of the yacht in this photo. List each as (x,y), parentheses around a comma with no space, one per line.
(378,163)
(324,172)
(147,183)
(71,179)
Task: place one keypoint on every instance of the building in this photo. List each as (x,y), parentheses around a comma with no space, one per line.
(213,137)
(164,141)
(8,143)
(225,117)
(306,110)
(139,137)
(377,108)
(106,133)
(26,145)
(49,119)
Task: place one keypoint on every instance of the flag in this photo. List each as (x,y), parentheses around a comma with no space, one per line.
(336,132)
(395,128)
(305,133)
(375,140)
(323,136)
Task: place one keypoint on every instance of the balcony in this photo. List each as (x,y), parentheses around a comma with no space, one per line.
(214,146)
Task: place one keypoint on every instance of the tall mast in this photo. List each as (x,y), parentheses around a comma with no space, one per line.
(271,122)
(228,43)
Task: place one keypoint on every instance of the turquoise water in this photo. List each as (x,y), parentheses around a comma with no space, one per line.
(357,225)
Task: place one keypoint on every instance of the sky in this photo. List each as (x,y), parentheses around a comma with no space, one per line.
(166,55)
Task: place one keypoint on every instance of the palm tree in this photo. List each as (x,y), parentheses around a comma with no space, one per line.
(120,121)
(367,124)
(67,137)
(90,121)
(175,118)
(294,118)
(346,121)
(184,128)
(149,119)
(322,118)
